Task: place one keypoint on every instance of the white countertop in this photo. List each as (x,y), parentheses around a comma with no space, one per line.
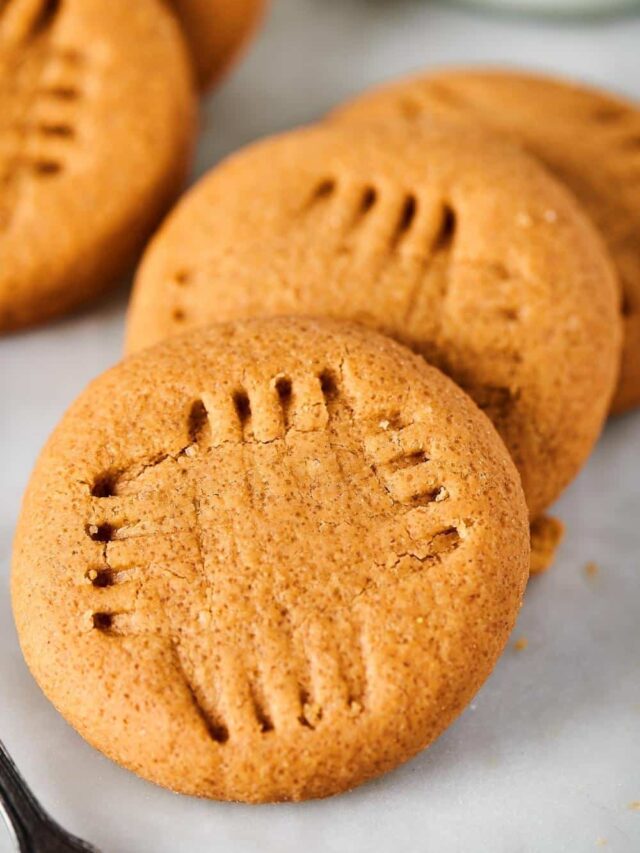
(547,758)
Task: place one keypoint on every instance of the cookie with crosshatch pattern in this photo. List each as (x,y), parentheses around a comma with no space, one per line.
(269,560)
(447,239)
(588,137)
(94,145)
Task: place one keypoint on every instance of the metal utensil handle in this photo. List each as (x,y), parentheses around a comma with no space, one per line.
(34,830)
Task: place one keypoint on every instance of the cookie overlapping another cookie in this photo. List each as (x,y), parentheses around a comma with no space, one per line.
(217,30)
(269,560)
(588,138)
(443,236)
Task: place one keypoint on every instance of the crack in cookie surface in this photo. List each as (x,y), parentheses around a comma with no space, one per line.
(276,560)
(253,454)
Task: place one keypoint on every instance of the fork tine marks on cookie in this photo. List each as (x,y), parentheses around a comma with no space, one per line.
(115,622)
(269,694)
(356,203)
(350,653)
(51,130)
(269,404)
(201,685)
(332,650)
(23,20)
(120,507)
(312,459)
(400,460)
(337,670)
(341,209)
(47,150)
(109,524)
(283,694)
(278,672)
(394,439)
(323,189)
(413,483)
(435,228)
(112,598)
(113,608)
(213,420)
(427,292)
(423,541)
(230,553)
(307,411)
(388,223)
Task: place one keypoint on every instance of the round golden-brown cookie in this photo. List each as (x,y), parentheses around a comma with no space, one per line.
(589,138)
(94,145)
(446,238)
(269,560)
(217,31)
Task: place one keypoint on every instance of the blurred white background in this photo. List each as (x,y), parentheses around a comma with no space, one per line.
(548,756)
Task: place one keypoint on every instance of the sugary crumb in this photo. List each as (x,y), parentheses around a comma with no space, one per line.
(523,220)
(521,644)
(546,536)
(591,569)
(550,216)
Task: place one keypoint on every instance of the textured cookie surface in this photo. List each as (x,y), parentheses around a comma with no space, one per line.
(587,137)
(217,31)
(270,560)
(453,242)
(94,144)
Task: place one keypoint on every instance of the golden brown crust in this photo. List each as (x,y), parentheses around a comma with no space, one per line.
(268,560)
(589,138)
(94,145)
(217,31)
(446,238)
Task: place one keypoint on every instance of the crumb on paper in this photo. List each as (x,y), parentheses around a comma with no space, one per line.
(591,569)
(546,535)
(635,806)
(521,644)
(601,842)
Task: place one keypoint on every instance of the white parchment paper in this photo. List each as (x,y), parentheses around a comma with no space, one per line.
(547,758)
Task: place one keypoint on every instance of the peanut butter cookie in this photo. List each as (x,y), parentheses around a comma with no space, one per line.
(217,31)
(588,138)
(447,238)
(269,560)
(94,145)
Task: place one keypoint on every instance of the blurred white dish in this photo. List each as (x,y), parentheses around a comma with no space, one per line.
(559,7)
